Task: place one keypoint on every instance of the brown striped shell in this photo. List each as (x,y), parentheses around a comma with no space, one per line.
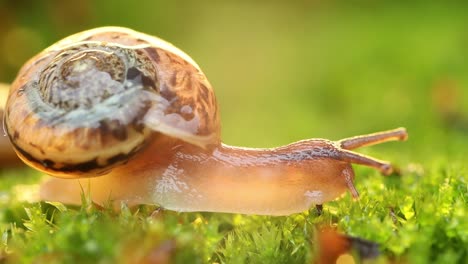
(94,99)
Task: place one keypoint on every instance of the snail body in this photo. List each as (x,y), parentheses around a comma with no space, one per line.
(140,114)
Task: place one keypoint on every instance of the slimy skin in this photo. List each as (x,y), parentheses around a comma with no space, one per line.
(278,181)
(130,118)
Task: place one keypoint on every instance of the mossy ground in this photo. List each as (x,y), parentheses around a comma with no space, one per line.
(330,72)
(419,217)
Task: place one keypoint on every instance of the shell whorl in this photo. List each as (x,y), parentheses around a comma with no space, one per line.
(86,74)
(87,104)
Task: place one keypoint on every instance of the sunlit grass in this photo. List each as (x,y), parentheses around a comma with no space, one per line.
(418,217)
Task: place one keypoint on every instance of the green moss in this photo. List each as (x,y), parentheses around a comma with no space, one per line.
(417,217)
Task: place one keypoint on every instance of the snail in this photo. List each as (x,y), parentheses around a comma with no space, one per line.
(128,117)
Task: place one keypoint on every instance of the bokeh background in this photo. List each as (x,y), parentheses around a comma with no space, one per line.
(289,70)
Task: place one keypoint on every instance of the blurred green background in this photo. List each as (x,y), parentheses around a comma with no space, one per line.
(288,70)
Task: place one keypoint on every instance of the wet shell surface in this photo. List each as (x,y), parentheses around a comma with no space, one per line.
(7,155)
(92,100)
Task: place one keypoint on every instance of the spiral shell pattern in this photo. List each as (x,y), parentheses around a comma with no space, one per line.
(93,100)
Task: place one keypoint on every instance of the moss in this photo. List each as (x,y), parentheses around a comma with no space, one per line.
(417,217)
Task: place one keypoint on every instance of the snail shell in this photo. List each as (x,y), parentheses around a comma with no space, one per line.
(92,100)
(7,155)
